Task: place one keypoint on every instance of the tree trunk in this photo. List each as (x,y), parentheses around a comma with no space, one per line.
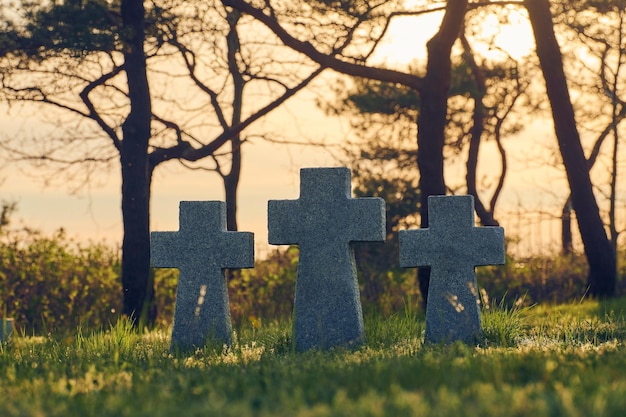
(598,249)
(231,180)
(615,110)
(503,162)
(613,195)
(567,242)
(136,172)
(484,215)
(475,134)
(432,117)
(231,184)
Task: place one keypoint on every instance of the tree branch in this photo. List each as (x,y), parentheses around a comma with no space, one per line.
(324,60)
(185,151)
(36,95)
(191,68)
(93,113)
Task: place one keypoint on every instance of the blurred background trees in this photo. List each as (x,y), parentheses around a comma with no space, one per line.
(214,68)
(183,91)
(434,88)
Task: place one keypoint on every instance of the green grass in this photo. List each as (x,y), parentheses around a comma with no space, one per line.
(567,360)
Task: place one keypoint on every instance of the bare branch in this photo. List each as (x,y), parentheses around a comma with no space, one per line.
(189,57)
(93,113)
(183,150)
(326,61)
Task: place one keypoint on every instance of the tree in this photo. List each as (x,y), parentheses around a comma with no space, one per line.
(248,59)
(79,70)
(481,100)
(382,157)
(496,90)
(6,211)
(433,87)
(600,108)
(382,161)
(136,170)
(599,252)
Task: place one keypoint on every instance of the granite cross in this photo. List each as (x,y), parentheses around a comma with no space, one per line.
(452,246)
(6,329)
(201,250)
(324,222)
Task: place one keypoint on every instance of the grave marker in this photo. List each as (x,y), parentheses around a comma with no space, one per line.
(6,329)
(201,250)
(452,246)
(324,222)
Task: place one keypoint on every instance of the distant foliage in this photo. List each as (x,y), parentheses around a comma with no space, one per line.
(267,290)
(165,283)
(52,283)
(542,279)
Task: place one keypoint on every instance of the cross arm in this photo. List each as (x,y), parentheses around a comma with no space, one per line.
(238,250)
(282,222)
(367,215)
(416,248)
(163,250)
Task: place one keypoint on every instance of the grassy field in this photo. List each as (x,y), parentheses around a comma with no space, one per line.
(567,360)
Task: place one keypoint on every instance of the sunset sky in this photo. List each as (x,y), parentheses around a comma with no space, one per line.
(270,171)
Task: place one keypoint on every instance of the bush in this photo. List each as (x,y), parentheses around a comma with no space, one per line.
(165,284)
(386,288)
(542,279)
(265,291)
(53,283)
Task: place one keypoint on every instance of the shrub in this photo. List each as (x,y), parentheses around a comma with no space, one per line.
(542,279)
(267,290)
(385,286)
(54,283)
(165,283)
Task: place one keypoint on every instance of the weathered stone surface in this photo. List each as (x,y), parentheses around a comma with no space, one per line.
(201,250)
(452,246)
(6,329)
(324,222)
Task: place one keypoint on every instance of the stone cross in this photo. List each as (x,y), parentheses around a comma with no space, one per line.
(452,246)
(201,250)
(6,329)
(324,222)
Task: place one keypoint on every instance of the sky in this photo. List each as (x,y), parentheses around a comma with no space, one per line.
(270,171)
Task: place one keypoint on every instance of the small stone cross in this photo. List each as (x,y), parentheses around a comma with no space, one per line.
(324,222)
(201,250)
(452,246)
(6,329)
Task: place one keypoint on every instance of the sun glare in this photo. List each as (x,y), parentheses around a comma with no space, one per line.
(407,37)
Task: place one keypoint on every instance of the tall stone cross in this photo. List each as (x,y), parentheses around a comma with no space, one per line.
(324,222)
(201,250)
(452,246)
